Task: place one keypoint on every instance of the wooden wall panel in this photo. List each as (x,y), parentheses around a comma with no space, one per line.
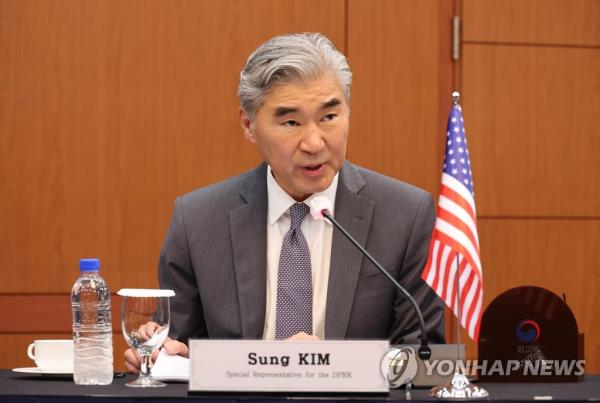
(393,49)
(555,22)
(44,313)
(532,119)
(108,111)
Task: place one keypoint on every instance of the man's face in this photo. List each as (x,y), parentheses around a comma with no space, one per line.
(301,130)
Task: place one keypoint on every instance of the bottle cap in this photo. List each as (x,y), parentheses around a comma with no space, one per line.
(89,265)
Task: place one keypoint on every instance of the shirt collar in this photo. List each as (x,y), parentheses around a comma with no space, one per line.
(280,202)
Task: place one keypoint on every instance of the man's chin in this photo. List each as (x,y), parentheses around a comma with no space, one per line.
(322,185)
(306,192)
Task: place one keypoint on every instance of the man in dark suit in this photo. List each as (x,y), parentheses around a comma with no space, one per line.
(247,261)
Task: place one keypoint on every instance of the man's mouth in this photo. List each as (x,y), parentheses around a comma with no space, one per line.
(313,168)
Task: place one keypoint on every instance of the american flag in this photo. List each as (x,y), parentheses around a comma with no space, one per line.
(454,247)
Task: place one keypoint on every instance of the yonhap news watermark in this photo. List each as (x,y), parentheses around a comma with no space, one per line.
(401,365)
(506,367)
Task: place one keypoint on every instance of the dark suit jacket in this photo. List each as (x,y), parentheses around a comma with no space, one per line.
(214,257)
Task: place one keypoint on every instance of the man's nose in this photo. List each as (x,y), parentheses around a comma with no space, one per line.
(312,140)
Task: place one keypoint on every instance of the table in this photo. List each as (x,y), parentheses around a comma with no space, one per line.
(23,388)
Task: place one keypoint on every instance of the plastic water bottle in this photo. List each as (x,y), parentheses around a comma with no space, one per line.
(92,329)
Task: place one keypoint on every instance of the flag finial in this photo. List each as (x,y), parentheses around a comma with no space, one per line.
(456,97)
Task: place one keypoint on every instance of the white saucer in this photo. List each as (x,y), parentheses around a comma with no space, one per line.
(42,371)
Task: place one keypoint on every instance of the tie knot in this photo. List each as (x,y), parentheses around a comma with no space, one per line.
(297,213)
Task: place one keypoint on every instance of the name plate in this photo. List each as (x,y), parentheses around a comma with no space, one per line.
(339,366)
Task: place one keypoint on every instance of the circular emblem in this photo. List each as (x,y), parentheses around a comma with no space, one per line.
(399,366)
(528,331)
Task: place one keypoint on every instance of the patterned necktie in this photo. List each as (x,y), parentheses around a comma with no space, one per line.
(294,280)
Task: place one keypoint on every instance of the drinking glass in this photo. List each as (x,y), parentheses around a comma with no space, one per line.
(145,317)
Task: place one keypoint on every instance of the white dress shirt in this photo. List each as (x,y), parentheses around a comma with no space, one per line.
(318,235)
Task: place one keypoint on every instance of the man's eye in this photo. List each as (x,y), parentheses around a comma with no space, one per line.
(330,116)
(290,123)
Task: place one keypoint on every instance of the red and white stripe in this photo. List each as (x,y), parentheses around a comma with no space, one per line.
(454,249)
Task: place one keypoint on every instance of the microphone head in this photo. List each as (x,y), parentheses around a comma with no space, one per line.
(318,204)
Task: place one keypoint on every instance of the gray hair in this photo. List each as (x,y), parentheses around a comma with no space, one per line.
(289,58)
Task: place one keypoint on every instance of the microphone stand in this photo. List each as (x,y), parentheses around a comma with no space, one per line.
(424,349)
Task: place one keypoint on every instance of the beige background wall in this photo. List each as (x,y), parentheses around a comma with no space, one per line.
(109,109)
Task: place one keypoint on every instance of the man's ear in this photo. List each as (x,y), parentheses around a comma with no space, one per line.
(247,126)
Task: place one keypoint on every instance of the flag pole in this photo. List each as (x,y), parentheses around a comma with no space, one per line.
(455,103)
(459,387)
(458,314)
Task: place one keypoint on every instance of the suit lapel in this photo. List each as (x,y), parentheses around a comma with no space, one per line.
(248,229)
(354,213)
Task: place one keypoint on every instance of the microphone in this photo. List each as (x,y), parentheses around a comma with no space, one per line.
(320,207)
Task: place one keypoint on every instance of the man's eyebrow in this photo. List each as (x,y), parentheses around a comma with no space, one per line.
(330,103)
(284,110)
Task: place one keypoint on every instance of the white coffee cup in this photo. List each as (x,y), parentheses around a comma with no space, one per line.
(52,355)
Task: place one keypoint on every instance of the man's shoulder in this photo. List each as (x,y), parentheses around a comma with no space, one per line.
(227,193)
(382,187)
(400,210)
